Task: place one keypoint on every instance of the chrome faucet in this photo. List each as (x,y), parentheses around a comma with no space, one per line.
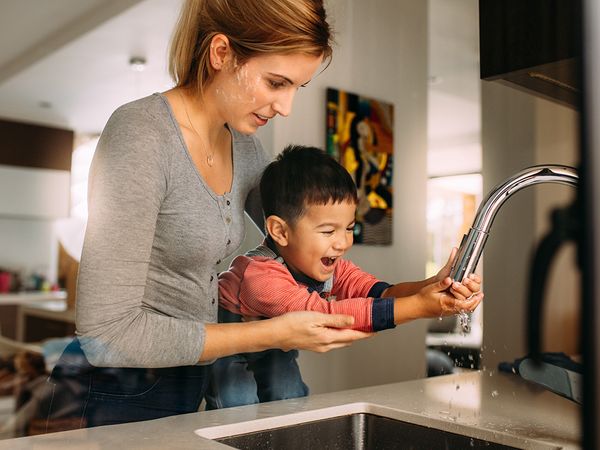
(472,243)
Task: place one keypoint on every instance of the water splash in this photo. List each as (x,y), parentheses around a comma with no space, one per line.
(464,320)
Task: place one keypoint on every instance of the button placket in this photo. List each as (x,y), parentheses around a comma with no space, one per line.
(228,220)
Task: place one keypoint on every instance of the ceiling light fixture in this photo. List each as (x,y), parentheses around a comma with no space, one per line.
(137,63)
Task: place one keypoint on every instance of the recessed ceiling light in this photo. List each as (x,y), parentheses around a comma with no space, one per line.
(137,63)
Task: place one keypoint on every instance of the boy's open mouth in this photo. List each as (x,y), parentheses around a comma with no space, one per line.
(327,261)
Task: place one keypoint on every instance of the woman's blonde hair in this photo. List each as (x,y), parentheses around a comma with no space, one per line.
(253,27)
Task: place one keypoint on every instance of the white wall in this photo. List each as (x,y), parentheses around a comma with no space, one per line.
(521,130)
(28,245)
(381,52)
(31,199)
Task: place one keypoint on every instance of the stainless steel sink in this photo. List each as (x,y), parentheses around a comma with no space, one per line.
(357,426)
(360,431)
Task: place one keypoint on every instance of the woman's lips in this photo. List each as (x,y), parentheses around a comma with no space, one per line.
(261,120)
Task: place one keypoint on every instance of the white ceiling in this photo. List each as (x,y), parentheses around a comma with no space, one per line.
(65,63)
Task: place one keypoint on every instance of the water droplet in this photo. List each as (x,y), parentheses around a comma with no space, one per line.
(495,393)
(464,320)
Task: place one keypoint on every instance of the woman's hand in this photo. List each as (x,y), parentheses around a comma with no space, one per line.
(318,332)
(303,330)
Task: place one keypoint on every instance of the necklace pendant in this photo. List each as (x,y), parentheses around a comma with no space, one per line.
(210,160)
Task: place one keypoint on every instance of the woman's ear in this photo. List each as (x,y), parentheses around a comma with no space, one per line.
(219,51)
(277,228)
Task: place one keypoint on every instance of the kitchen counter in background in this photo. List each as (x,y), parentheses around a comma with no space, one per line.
(486,405)
(48,308)
(22,298)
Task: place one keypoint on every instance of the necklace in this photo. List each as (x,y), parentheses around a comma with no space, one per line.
(210,157)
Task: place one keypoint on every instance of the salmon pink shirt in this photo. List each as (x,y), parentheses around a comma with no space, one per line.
(259,284)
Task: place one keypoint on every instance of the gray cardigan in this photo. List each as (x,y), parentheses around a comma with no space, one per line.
(147,279)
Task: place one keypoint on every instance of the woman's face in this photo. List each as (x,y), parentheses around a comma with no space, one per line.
(248,95)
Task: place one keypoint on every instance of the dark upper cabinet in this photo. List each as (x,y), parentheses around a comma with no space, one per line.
(35,165)
(533,45)
(30,145)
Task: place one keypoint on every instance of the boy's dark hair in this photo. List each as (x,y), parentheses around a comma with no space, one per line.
(301,176)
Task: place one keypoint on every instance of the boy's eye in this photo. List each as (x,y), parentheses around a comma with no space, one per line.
(328,232)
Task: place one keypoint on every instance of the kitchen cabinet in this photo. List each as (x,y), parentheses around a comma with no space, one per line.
(533,45)
(14,307)
(35,164)
(38,322)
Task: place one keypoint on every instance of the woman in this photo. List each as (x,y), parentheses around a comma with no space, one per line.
(168,185)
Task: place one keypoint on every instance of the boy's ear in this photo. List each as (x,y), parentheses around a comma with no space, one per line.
(277,228)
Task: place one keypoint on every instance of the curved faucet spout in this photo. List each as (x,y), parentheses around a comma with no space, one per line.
(472,243)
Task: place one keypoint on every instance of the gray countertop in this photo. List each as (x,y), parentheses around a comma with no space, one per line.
(494,406)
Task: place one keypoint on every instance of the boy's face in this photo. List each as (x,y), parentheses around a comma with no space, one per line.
(319,238)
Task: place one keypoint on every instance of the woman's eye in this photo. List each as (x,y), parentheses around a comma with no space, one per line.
(276,84)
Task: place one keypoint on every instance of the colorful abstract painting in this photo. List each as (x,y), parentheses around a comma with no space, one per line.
(360,136)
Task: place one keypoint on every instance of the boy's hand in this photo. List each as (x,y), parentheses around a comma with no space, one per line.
(437,296)
(445,298)
(470,285)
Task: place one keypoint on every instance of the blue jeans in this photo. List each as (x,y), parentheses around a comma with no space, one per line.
(82,395)
(249,378)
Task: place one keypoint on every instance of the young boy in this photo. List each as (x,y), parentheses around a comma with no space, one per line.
(309,201)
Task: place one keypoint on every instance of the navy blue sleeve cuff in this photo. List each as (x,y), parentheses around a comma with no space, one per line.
(382,313)
(377,289)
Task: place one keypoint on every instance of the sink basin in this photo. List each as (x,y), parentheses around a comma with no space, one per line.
(359,426)
(355,432)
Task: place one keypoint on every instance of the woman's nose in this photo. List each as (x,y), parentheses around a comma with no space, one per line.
(283,103)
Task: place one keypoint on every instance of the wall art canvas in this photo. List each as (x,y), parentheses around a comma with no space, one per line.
(360,136)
